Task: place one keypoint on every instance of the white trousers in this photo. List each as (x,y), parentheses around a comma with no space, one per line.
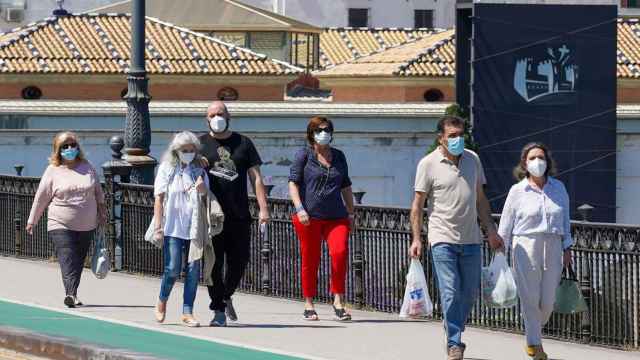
(537,262)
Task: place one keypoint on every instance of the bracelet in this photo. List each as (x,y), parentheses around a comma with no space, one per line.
(299,209)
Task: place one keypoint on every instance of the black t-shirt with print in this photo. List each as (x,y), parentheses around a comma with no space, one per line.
(234,155)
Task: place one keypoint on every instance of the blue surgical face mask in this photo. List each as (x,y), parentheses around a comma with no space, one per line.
(69,154)
(455,145)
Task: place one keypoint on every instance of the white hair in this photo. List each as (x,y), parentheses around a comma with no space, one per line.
(180,140)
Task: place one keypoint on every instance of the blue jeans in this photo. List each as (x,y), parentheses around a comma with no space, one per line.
(173,249)
(457,269)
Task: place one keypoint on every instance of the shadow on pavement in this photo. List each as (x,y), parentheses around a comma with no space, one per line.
(119,306)
(380,321)
(283,326)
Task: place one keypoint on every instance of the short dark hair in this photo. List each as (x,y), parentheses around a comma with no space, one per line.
(314,124)
(450,120)
(520,172)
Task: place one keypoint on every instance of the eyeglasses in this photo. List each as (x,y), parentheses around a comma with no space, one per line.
(69,146)
(187,151)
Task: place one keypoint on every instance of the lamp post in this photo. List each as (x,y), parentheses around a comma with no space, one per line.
(137,132)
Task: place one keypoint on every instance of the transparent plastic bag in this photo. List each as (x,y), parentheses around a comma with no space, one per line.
(498,285)
(417,302)
(100,261)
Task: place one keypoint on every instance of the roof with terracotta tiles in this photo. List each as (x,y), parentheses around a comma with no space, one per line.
(418,55)
(341,45)
(100,43)
(628,54)
(431,55)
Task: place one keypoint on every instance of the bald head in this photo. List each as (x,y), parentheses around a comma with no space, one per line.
(217,108)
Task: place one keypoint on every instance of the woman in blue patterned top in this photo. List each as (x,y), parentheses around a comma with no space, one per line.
(320,188)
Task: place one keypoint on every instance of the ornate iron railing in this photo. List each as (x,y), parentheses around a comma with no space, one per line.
(606,257)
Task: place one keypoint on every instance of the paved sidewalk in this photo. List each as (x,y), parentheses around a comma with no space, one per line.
(267,324)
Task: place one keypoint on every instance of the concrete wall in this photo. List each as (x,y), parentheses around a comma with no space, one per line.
(382,145)
(381,163)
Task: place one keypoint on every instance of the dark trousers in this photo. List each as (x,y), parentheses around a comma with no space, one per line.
(231,248)
(71,250)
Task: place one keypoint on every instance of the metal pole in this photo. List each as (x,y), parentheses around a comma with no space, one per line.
(137,133)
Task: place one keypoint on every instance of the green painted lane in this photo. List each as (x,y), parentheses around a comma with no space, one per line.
(114,335)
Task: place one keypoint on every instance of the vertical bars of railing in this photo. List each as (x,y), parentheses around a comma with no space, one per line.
(606,257)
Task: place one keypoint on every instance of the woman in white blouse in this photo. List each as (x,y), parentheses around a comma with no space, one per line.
(535,221)
(177,183)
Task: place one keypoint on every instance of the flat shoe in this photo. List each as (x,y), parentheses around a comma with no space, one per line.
(190,321)
(160,315)
(342,314)
(310,315)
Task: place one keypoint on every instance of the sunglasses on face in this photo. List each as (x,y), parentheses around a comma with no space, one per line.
(187,151)
(69,146)
(327,130)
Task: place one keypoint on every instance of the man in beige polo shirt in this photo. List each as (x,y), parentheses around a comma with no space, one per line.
(450,179)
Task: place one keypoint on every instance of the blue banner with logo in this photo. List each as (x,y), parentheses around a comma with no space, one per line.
(547,73)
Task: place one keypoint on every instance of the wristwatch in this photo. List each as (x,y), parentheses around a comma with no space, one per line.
(299,208)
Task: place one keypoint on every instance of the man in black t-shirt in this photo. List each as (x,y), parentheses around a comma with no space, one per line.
(231,158)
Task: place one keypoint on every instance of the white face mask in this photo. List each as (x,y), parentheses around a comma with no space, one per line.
(537,167)
(185,157)
(322,138)
(218,124)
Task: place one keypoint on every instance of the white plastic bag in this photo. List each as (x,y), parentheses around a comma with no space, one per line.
(417,302)
(100,262)
(498,286)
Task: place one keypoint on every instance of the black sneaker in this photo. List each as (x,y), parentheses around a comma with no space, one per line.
(70,301)
(230,310)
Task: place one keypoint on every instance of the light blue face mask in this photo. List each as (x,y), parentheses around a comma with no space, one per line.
(69,154)
(455,145)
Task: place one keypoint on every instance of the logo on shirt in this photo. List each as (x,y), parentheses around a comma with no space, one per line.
(547,75)
(225,161)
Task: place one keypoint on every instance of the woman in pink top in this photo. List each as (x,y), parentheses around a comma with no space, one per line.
(71,191)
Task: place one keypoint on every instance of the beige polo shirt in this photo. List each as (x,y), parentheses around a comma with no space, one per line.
(451,196)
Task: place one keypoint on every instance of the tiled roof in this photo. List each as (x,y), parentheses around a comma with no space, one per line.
(340,45)
(100,43)
(628,54)
(431,55)
(438,58)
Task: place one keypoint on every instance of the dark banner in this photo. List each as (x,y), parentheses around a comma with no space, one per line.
(547,73)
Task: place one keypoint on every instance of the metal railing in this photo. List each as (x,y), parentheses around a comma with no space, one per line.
(606,257)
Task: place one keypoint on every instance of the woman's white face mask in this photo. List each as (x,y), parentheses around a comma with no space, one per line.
(218,124)
(186,157)
(537,167)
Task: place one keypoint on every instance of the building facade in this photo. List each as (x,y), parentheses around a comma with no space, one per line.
(16,13)
(365,13)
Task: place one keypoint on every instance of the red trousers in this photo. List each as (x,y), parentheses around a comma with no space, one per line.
(336,232)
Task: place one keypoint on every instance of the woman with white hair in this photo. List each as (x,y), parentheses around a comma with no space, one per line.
(178,182)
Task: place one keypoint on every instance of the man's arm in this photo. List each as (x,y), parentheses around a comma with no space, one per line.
(417,210)
(484,213)
(261,193)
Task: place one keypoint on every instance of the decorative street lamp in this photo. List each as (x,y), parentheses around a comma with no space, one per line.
(137,132)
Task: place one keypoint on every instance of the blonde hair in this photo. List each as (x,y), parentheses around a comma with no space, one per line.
(56,159)
(179,140)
